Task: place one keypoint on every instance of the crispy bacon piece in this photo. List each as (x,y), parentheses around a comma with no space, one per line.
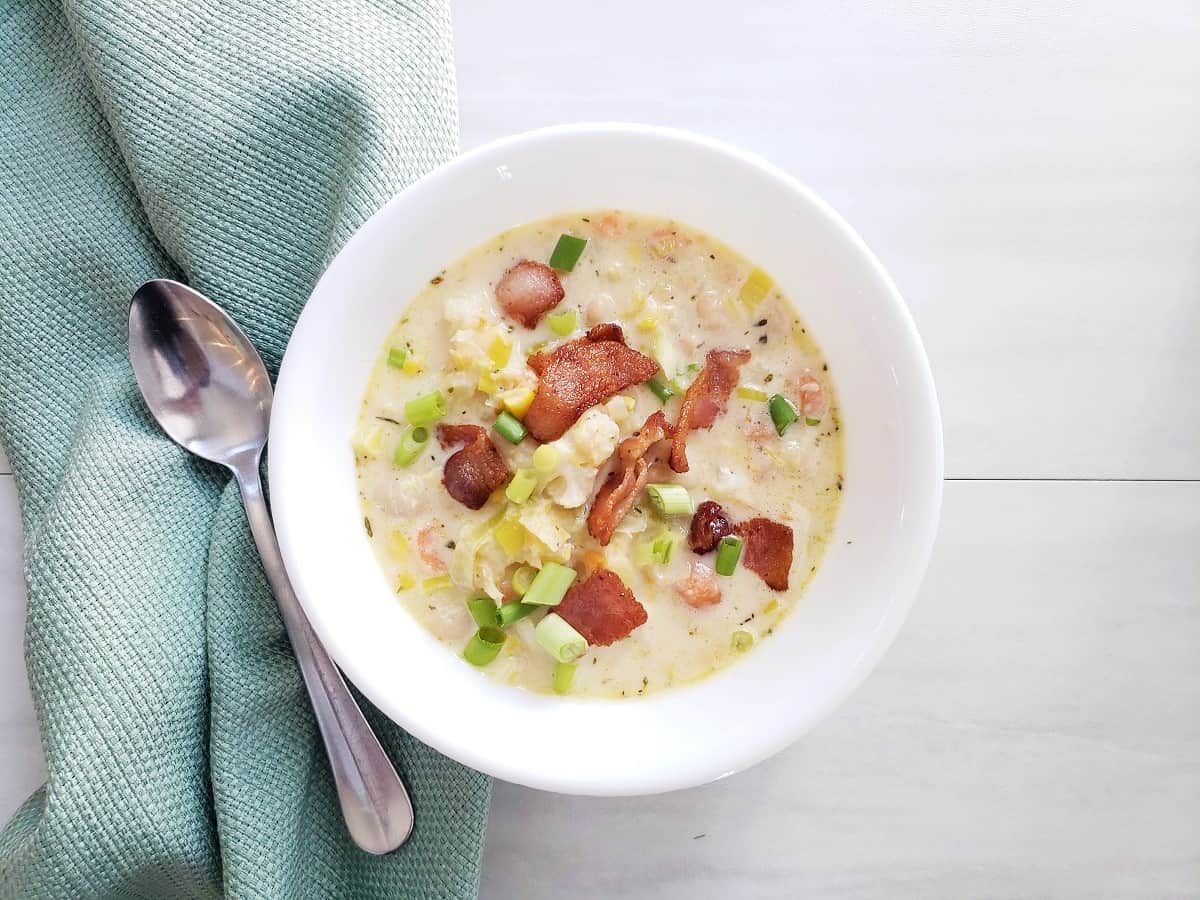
(578,375)
(705,398)
(476,470)
(709,525)
(767,551)
(601,608)
(618,493)
(700,587)
(528,290)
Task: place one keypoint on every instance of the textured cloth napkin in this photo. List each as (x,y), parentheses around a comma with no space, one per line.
(234,145)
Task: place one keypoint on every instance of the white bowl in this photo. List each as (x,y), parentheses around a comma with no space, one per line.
(849,613)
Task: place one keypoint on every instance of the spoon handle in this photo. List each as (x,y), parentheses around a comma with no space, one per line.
(374,802)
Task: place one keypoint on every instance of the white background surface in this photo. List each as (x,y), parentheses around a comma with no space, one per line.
(1030,175)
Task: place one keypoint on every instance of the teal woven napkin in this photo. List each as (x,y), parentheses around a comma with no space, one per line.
(233,144)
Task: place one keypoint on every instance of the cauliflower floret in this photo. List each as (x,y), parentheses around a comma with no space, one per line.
(468,310)
(404,494)
(582,450)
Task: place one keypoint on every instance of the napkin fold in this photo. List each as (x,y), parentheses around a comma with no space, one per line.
(234,145)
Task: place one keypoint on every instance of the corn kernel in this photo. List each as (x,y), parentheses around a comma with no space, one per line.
(412,366)
(647,323)
(517,401)
(487,384)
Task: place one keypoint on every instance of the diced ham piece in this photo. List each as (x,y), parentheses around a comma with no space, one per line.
(528,290)
(767,550)
(709,525)
(579,374)
(700,587)
(471,474)
(625,482)
(705,398)
(601,608)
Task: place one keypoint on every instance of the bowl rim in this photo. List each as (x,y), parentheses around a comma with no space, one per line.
(921,387)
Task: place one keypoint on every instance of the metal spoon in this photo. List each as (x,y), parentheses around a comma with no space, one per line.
(207,387)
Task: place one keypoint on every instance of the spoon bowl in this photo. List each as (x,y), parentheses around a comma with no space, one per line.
(202,378)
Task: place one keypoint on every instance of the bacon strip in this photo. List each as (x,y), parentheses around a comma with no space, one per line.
(625,482)
(471,474)
(578,375)
(767,551)
(709,525)
(601,608)
(705,398)
(528,290)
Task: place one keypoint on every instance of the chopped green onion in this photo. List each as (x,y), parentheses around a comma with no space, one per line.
(521,486)
(523,578)
(747,392)
(563,323)
(510,427)
(484,645)
(567,252)
(483,611)
(426,409)
(556,636)
(670,499)
(545,459)
(410,446)
(809,420)
(664,546)
(660,389)
(550,585)
(783,414)
(741,641)
(397,357)
(564,674)
(728,553)
(514,612)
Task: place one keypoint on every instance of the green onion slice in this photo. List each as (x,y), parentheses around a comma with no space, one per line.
(728,553)
(520,488)
(660,389)
(670,499)
(510,427)
(397,356)
(514,612)
(483,611)
(484,645)
(555,635)
(567,252)
(563,323)
(550,585)
(783,414)
(410,446)
(809,420)
(564,674)
(426,409)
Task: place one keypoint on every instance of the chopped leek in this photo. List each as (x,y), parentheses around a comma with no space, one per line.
(520,488)
(522,579)
(647,323)
(499,351)
(397,356)
(368,439)
(514,612)
(564,674)
(510,534)
(728,553)
(563,323)
(412,366)
(426,409)
(412,442)
(509,427)
(483,611)
(670,499)
(660,389)
(404,582)
(545,459)
(746,392)
(435,584)
(810,420)
(567,252)
(741,641)
(550,585)
(484,645)
(783,414)
(757,285)
(398,544)
(487,384)
(555,635)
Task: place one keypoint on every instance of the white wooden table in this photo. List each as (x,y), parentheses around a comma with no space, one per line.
(1030,174)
